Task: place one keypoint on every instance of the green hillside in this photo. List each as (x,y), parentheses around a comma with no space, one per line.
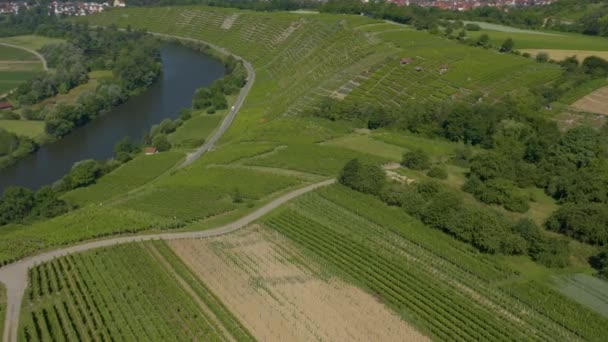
(444,283)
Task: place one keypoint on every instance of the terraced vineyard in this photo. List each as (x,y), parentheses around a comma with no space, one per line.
(130,292)
(302,58)
(439,283)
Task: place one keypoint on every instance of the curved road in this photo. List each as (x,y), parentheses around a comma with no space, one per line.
(235,108)
(34,52)
(14,275)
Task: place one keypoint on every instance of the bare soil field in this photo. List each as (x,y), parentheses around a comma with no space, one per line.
(280,295)
(559,55)
(596,102)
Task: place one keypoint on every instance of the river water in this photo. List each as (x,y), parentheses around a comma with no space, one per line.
(184,71)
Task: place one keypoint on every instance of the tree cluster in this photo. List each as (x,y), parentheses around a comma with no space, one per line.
(18,204)
(213,97)
(444,209)
(13,147)
(364,177)
(70,71)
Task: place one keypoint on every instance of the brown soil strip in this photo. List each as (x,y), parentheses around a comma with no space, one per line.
(279,294)
(596,102)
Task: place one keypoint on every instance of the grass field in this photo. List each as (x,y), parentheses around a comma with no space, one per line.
(129,292)
(440,284)
(31,41)
(16,66)
(8,53)
(27,128)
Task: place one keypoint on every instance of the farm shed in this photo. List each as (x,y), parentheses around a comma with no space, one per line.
(150,151)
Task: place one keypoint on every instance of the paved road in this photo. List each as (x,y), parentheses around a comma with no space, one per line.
(235,108)
(34,52)
(14,276)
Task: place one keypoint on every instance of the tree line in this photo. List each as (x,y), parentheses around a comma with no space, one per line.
(445,209)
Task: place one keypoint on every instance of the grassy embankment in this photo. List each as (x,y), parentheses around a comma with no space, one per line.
(299,59)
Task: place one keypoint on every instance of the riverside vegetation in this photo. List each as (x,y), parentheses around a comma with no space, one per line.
(463,240)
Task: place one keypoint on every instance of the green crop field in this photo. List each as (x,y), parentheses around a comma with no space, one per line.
(195,131)
(27,128)
(172,201)
(16,66)
(129,292)
(438,283)
(586,290)
(124,179)
(31,41)
(8,53)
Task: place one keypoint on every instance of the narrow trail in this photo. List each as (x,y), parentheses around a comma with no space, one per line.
(33,52)
(14,276)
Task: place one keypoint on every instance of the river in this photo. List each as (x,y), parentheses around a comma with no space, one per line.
(184,70)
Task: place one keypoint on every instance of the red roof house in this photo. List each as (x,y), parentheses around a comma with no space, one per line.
(150,150)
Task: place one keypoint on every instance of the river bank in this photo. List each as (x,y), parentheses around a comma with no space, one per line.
(184,70)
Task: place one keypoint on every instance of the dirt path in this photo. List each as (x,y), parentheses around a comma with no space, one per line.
(33,52)
(14,275)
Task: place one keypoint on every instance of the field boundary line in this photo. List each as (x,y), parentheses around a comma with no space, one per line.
(14,275)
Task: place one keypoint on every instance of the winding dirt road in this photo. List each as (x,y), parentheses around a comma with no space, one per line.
(14,275)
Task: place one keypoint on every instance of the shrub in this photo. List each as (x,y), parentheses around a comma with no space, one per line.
(586,222)
(542,57)
(363,177)
(416,160)
(437,172)
(161,142)
(83,173)
(472,27)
